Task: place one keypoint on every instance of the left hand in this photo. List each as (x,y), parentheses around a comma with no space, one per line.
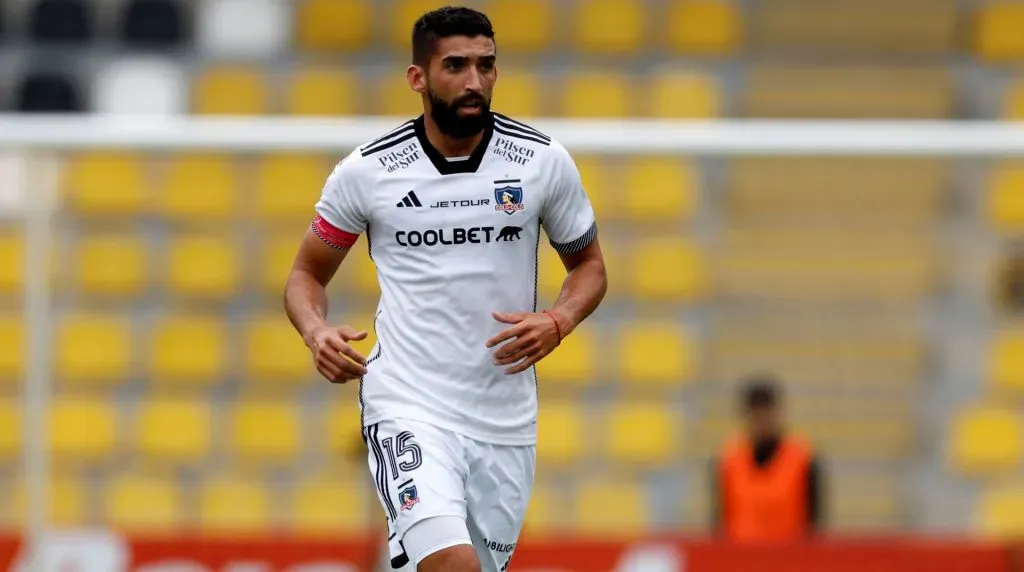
(533,334)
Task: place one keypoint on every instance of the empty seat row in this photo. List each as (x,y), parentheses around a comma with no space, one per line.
(261,431)
(836,92)
(319,91)
(203,188)
(330,503)
(593,26)
(139,23)
(186,350)
(215,267)
(148,502)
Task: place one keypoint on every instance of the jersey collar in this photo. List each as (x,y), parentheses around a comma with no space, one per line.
(446,167)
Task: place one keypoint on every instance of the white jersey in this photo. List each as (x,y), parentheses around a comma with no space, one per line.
(454,240)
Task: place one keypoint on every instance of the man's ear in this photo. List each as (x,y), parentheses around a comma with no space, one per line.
(417,78)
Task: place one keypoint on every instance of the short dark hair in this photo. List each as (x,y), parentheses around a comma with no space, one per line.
(760,391)
(443,23)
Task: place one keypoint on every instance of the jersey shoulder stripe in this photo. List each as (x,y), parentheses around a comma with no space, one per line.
(394,137)
(520,135)
(513,125)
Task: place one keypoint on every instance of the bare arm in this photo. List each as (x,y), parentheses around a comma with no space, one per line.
(583,289)
(305,292)
(305,301)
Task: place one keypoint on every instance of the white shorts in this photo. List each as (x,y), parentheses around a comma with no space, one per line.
(425,472)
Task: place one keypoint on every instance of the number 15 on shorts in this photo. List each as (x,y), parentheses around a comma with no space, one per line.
(395,458)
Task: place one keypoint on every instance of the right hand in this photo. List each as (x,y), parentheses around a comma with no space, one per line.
(335,359)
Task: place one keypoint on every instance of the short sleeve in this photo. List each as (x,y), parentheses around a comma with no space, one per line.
(340,215)
(568,217)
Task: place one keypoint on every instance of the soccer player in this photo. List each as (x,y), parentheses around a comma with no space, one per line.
(452,204)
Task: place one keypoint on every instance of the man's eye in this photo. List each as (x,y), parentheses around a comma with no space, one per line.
(453,65)
(487,66)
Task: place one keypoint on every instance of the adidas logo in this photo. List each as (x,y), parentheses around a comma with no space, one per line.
(409,200)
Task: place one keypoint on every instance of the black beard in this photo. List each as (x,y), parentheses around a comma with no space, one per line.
(446,115)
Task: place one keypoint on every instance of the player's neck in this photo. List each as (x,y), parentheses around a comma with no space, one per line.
(450,146)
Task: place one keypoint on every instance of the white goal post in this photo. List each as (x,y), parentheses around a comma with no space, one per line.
(31,137)
(725,137)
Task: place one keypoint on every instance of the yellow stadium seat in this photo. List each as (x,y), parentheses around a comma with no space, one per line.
(1013,106)
(986,440)
(684,95)
(288,186)
(704,27)
(518,94)
(234,504)
(655,352)
(83,429)
(323,93)
(203,265)
(10,428)
(328,505)
(68,497)
(997,31)
(12,262)
(594,173)
(230,90)
(526,25)
(93,348)
(266,431)
(560,432)
(278,256)
(659,188)
(275,353)
(550,271)
(1007,361)
(12,348)
(139,503)
(611,507)
(404,15)
(360,269)
(188,349)
(609,26)
(1006,197)
(110,264)
(329,25)
(200,187)
(107,183)
(175,430)
(642,434)
(396,98)
(1000,512)
(666,269)
(596,94)
(572,361)
(546,512)
(344,429)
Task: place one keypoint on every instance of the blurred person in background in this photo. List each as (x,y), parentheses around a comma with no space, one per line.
(766,482)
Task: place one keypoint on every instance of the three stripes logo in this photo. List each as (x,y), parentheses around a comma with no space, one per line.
(409,200)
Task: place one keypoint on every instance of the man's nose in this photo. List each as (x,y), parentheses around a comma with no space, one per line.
(473,82)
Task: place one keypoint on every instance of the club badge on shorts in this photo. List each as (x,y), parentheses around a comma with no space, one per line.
(408,497)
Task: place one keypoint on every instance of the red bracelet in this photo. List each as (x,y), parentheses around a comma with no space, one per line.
(557,329)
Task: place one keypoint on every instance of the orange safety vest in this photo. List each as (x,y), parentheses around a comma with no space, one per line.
(769,502)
